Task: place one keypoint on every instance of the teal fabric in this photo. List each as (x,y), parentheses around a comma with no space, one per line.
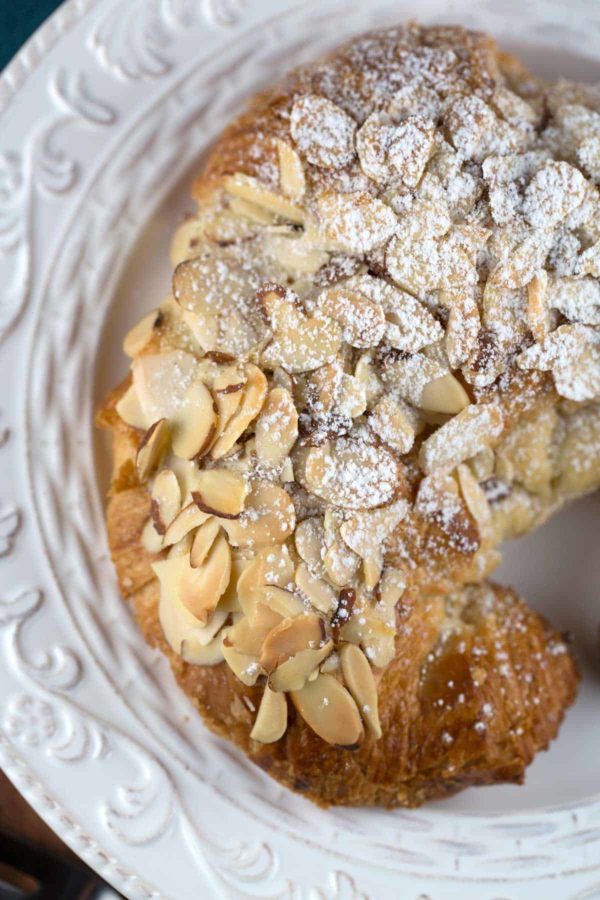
(18,19)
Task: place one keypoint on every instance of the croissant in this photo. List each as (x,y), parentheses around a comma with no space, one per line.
(380,357)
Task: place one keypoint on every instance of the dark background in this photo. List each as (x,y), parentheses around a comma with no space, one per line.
(18,19)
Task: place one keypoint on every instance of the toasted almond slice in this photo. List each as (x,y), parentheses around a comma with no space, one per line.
(362,320)
(269,517)
(305,346)
(341,564)
(228,386)
(179,625)
(276,427)
(249,633)
(141,334)
(319,592)
(281,601)
(331,664)
(209,655)
(537,305)
(152,449)
(356,222)
(220,492)
(130,409)
(323,131)
(196,590)
(189,518)
(161,381)
(281,306)
(293,674)
(243,665)
(474,497)
(366,374)
(328,708)
(350,473)
(150,539)
(194,423)
(444,395)
(271,721)
(391,586)
(359,679)
(271,566)
(203,540)
(390,422)
(309,538)
(251,189)
(254,395)
(473,429)
(166,500)
(304,632)
(366,534)
(251,211)
(182,547)
(291,172)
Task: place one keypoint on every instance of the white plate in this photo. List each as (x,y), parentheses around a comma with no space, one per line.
(104,113)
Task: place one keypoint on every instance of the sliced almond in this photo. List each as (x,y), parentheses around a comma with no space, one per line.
(321,595)
(474,497)
(341,564)
(291,172)
(276,427)
(366,533)
(150,539)
(356,222)
(537,305)
(203,587)
(161,381)
(391,423)
(209,655)
(251,189)
(351,473)
(322,131)
(305,346)
(295,672)
(182,547)
(444,395)
(472,430)
(359,679)
(152,449)
(130,409)
(189,518)
(304,632)
(391,586)
(366,374)
(194,423)
(252,211)
(196,590)
(249,633)
(281,601)
(269,517)
(220,492)
(328,708)
(243,665)
(309,538)
(271,566)
(166,500)
(228,386)
(141,334)
(271,721)
(362,320)
(202,542)
(255,392)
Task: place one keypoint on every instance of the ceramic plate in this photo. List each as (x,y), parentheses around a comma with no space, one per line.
(104,115)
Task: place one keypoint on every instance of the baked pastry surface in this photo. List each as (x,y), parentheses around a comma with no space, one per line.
(380,359)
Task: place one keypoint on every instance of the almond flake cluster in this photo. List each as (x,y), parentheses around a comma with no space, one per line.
(330,368)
